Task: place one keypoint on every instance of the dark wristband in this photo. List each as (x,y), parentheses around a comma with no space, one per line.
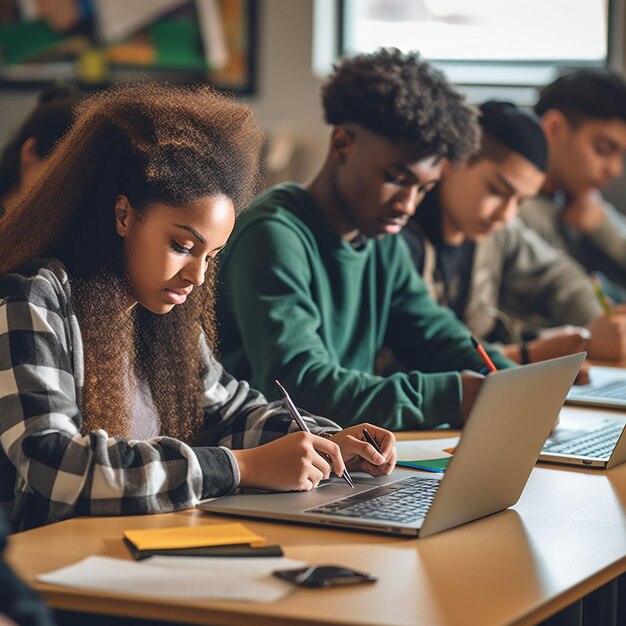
(524,355)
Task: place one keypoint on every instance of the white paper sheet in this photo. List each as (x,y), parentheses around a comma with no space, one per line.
(242,579)
(424,449)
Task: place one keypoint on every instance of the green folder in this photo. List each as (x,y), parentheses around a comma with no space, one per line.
(430,465)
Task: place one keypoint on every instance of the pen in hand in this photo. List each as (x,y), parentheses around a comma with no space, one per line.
(483,355)
(371,441)
(601,297)
(291,407)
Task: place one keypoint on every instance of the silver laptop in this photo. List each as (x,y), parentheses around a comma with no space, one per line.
(597,443)
(607,389)
(490,467)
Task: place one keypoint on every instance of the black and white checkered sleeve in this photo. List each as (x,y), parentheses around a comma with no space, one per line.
(238,417)
(57,471)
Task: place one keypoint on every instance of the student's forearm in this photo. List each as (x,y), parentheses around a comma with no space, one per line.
(446,347)
(402,401)
(99,475)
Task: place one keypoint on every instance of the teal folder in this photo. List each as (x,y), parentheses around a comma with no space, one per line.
(430,465)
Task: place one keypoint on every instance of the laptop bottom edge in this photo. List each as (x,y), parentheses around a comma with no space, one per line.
(565,459)
(321,521)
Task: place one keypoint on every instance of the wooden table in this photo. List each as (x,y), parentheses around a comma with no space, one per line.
(565,538)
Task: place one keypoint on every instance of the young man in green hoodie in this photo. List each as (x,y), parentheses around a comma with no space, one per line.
(315,279)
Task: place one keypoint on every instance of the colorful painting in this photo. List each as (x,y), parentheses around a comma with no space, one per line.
(97,42)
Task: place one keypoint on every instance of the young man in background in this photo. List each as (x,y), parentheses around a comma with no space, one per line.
(584,119)
(480,260)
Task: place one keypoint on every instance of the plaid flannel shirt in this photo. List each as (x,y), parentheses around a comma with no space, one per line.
(50,471)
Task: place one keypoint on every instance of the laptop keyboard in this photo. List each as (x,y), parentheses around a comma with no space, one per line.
(612,391)
(597,443)
(404,501)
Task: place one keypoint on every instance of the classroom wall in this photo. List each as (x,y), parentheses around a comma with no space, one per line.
(287,99)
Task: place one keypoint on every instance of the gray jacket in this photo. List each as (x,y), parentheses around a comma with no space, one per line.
(602,249)
(516,276)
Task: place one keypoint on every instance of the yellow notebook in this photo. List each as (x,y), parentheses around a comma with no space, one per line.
(192,537)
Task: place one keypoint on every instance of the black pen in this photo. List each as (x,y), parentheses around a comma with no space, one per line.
(291,407)
(371,441)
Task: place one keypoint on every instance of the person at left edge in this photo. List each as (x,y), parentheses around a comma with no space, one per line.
(19,604)
(111,402)
(24,158)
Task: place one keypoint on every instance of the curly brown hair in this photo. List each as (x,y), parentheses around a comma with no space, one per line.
(403,98)
(154,144)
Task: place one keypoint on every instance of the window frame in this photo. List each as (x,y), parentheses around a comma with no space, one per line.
(512,76)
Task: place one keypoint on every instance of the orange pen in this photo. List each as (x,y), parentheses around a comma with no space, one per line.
(483,354)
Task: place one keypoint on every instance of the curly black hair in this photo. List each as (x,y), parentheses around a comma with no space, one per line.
(584,95)
(403,98)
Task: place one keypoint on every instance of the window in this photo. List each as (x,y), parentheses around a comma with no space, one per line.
(489,41)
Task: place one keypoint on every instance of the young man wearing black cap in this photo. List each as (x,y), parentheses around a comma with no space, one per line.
(583,115)
(479,259)
(315,280)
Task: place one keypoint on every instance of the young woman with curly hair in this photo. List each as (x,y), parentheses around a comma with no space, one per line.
(111,402)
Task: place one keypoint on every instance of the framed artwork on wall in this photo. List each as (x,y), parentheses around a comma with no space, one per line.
(97,42)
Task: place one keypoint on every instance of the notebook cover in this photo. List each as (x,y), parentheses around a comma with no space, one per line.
(239,550)
(184,537)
